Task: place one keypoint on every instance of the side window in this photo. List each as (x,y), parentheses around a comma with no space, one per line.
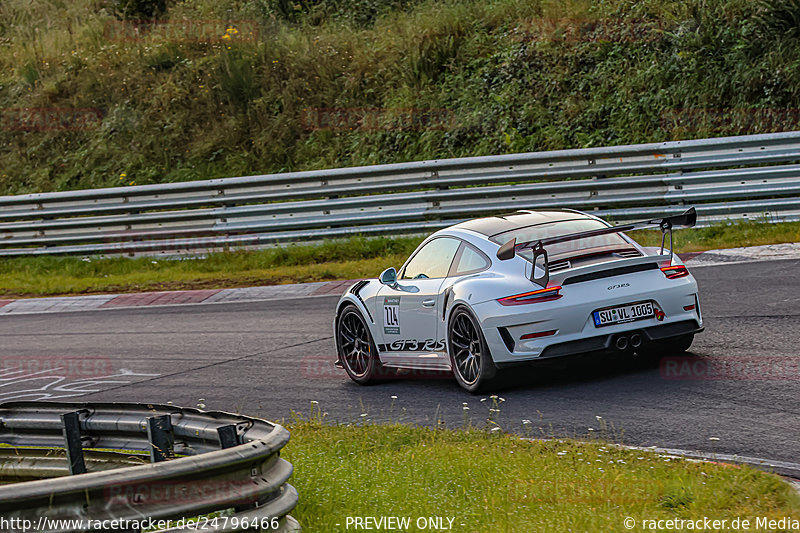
(469,261)
(433,260)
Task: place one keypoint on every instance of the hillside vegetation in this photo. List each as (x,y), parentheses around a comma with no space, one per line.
(484,76)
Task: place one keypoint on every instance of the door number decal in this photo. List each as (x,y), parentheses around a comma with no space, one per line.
(391,315)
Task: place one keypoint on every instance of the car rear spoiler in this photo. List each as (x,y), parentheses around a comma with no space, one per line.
(508,250)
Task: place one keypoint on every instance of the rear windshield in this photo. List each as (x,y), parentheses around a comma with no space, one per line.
(563,227)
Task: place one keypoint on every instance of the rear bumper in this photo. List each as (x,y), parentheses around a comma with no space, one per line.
(603,343)
(569,319)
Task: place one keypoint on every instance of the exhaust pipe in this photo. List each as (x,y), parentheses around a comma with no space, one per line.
(636,340)
(621,343)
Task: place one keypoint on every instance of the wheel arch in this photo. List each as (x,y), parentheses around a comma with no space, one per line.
(369,320)
(463,293)
(451,309)
(350,299)
(461,304)
(475,289)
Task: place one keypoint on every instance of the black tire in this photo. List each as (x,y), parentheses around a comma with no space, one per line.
(675,345)
(357,351)
(470,359)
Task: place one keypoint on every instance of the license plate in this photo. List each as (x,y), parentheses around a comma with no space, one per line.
(623,313)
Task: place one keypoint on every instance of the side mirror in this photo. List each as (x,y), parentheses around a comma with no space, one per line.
(389,276)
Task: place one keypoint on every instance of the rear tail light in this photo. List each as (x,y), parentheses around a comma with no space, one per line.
(677,271)
(537,335)
(542,295)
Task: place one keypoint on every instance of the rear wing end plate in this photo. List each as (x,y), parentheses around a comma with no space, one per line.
(507,251)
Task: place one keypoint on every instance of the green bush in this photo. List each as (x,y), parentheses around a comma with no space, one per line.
(509,75)
(360,13)
(139,9)
(780,18)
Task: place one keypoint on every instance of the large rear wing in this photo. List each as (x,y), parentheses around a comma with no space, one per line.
(507,251)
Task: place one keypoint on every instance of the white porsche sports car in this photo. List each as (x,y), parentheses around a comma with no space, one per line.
(506,290)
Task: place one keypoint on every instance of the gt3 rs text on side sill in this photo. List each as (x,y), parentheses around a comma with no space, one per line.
(501,291)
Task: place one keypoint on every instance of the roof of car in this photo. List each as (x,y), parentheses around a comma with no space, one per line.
(499,224)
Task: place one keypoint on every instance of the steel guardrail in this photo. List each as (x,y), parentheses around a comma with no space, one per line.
(135,462)
(754,176)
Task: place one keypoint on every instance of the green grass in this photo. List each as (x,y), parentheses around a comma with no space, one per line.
(354,258)
(514,75)
(502,483)
(342,259)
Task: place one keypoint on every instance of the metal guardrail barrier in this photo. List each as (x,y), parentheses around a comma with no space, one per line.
(87,463)
(754,176)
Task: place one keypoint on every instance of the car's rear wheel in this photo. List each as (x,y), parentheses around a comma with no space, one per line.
(469,355)
(357,351)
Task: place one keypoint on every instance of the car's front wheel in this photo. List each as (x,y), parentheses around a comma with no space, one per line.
(469,355)
(357,351)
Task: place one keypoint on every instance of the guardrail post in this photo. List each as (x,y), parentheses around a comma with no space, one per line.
(72,442)
(228,436)
(161,437)
(252,479)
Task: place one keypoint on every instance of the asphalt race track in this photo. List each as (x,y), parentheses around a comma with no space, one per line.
(271,358)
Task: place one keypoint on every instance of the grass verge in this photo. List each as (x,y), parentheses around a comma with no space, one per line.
(487,481)
(357,257)
(346,259)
